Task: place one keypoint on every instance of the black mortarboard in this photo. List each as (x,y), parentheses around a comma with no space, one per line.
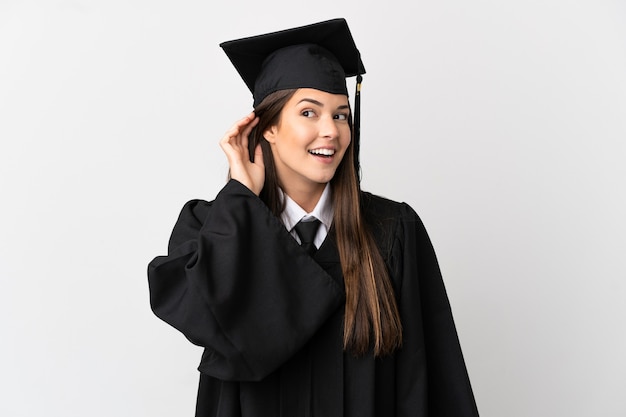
(318,56)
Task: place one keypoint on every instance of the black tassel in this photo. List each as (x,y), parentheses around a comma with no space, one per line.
(357,126)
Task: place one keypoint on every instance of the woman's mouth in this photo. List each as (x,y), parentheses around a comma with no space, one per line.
(325,153)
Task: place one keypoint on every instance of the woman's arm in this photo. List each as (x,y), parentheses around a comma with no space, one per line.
(235,282)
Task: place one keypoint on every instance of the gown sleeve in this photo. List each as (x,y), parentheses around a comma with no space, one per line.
(432,375)
(235,282)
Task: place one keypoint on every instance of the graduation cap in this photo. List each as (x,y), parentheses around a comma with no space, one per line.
(318,56)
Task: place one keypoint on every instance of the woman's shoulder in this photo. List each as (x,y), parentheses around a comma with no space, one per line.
(389,221)
(382,208)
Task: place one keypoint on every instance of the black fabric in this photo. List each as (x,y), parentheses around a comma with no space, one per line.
(317,56)
(300,66)
(306,231)
(271,317)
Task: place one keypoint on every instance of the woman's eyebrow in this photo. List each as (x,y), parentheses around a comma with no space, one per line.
(319,103)
(313,101)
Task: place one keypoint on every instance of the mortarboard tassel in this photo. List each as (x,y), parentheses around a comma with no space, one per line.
(357,126)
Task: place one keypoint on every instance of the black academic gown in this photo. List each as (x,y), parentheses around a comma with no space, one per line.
(270,317)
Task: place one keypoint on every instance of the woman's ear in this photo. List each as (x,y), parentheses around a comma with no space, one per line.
(270,134)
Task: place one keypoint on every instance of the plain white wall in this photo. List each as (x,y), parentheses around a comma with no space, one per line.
(502,123)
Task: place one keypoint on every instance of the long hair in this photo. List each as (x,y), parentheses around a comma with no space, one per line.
(372,320)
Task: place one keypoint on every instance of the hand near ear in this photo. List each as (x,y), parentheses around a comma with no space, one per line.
(235,146)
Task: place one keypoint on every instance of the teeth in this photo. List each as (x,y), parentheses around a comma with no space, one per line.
(325,152)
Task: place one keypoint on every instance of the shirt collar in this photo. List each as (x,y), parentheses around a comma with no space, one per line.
(323,210)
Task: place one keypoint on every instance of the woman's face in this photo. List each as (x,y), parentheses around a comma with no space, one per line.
(310,140)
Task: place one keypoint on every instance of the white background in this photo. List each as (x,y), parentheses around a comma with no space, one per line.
(503,123)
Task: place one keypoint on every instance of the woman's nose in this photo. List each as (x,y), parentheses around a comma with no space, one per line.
(328,128)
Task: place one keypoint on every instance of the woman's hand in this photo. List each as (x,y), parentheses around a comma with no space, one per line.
(235,146)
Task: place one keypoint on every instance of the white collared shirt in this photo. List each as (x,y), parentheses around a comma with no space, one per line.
(323,211)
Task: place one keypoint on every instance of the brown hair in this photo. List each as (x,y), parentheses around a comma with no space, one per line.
(371,318)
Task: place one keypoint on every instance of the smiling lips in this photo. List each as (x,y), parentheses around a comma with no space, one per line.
(322,152)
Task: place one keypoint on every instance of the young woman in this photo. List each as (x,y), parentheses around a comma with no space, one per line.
(310,297)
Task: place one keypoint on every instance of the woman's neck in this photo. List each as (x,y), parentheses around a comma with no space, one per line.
(305,198)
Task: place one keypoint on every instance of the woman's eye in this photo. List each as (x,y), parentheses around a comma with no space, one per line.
(308,113)
(341,116)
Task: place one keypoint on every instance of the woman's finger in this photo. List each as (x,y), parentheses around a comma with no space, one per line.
(234,143)
(246,131)
(233,135)
(258,156)
(242,124)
